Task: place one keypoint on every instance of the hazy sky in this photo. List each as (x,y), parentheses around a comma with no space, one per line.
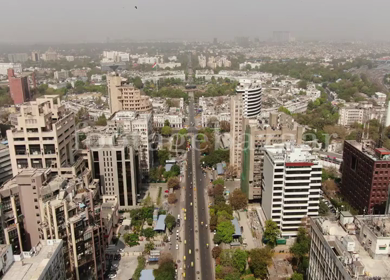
(95,20)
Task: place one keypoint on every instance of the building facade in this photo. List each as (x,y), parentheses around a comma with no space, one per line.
(365,176)
(17,57)
(115,163)
(5,164)
(125,97)
(17,67)
(19,88)
(291,185)
(44,138)
(236,132)
(61,75)
(350,115)
(251,92)
(281,128)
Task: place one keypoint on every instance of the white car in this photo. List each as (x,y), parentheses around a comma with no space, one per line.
(177,246)
(112,276)
(177,232)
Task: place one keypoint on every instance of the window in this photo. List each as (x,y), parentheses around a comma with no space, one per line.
(354,163)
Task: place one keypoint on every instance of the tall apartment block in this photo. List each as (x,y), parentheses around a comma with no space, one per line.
(115,163)
(35,56)
(44,137)
(5,164)
(291,185)
(19,88)
(246,104)
(141,124)
(353,248)
(125,97)
(46,261)
(279,129)
(39,205)
(365,176)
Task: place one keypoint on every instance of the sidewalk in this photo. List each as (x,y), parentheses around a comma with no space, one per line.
(208,218)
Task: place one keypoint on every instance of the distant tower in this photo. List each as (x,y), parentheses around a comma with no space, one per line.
(215,41)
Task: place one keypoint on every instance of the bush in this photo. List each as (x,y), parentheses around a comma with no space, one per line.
(140,267)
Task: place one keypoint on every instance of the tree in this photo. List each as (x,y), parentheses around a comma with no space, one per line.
(218,190)
(217,238)
(225,126)
(183,131)
(216,251)
(271,233)
(296,276)
(238,199)
(137,82)
(173,183)
(323,209)
(163,155)
(226,231)
(165,271)
(147,201)
(164,258)
(300,249)
(167,123)
(213,222)
(224,216)
(166,131)
(239,260)
(101,121)
(172,198)
(259,260)
(330,187)
(302,84)
(284,110)
(149,247)
(219,101)
(148,232)
(170,222)
(131,239)
(175,170)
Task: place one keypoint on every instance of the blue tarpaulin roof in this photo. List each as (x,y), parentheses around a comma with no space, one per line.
(219,168)
(147,274)
(237,229)
(160,223)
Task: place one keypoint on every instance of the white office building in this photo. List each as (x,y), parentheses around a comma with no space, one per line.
(291,185)
(251,92)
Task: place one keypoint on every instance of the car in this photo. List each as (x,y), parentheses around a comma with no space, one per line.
(189,251)
(192,264)
(177,232)
(184,257)
(185,241)
(191,203)
(185,218)
(112,276)
(177,246)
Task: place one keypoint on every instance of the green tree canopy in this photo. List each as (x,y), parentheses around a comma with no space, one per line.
(170,221)
(271,232)
(166,131)
(239,260)
(148,232)
(163,155)
(259,261)
(101,121)
(226,231)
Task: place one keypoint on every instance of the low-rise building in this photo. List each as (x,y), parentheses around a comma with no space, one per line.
(61,75)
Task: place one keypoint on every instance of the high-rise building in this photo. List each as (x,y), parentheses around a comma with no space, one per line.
(141,124)
(353,248)
(280,128)
(19,87)
(114,162)
(44,137)
(291,185)
(251,93)
(50,55)
(215,41)
(365,176)
(282,37)
(46,261)
(245,104)
(5,164)
(35,56)
(125,97)
(17,57)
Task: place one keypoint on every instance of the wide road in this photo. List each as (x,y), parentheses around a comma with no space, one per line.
(190,217)
(206,265)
